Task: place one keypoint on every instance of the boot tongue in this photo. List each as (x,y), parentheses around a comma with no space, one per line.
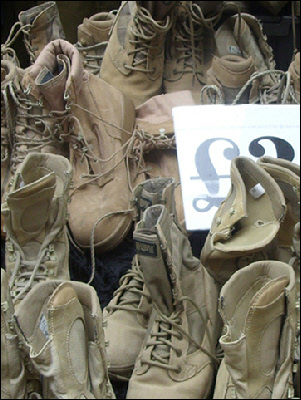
(30,208)
(157,275)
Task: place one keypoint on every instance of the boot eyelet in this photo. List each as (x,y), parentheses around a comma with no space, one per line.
(179,353)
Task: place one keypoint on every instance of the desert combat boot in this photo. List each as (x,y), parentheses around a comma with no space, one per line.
(127,315)
(177,359)
(257,307)
(96,120)
(60,326)
(242,35)
(245,226)
(93,36)
(40,25)
(134,58)
(35,214)
(189,49)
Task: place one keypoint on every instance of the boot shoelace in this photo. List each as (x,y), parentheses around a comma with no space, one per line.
(189,35)
(8,53)
(92,55)
(280,93)
(166,327)
(28,273)
(131,283)
(36,133)
(15,31)
(161,338)
(145,31)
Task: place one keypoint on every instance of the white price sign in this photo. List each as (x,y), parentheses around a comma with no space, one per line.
(209,136)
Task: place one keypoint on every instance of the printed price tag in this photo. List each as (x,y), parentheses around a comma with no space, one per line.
(209,136)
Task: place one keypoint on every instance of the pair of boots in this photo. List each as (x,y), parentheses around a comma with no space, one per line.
(167,285)
(196,47)
(61,105)
(258,221)
(42,23)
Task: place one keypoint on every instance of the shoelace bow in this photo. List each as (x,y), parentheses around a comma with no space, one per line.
(132,282)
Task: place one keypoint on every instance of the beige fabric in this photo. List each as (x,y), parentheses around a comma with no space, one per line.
(61,330)
(257,306)
(177,359)
(35,214)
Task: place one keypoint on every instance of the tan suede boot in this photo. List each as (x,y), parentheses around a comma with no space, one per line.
(242,35)
(40,24)
(127,315)
(177,359)
(13,380)
(62,333)
(226,77)
(30,128)
(257,307)
(190,46)
(245,226)
(97,122)
(287,176)
(35,214)
(93,36)
(294,70)
(134,59)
